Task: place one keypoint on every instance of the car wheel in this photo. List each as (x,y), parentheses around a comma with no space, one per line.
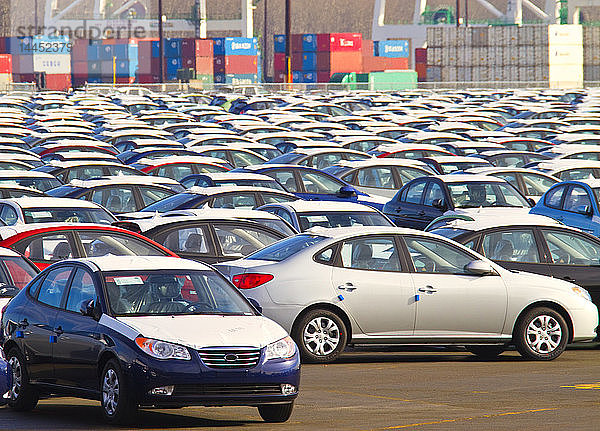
(321,336)
(541,334)
(487,352)
(276,412)
(118,403)
(23,396)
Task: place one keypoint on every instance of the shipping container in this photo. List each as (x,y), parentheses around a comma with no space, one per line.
(323,76)
(244,79)
(309,42)
(145,65)
(93,52)
(334,42)
(421,55)
(421,69)
(235,64)
(94,68)
(79,68)
(106,52)
(22,64)
(204,65)
(434,56)
(106,68)
(6,64)
(381,81)
(434,74)
(341,61)
(435,37)
(374,64)
(309,61)
(449,74)
(279,43)
(172,48)
(204,48)
(479,36)
(396,63)
(79,52)
(279,62)
(235,46)
(392,48)
(58,82)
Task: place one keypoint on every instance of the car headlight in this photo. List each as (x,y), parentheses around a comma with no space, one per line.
(282,349)
(162,350)
(581,292)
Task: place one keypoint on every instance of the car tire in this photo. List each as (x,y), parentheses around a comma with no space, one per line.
(23,396)
(276,413)
(321,336)
(541,334)
(119,405)
(486,352)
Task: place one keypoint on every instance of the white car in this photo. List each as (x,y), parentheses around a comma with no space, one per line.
(380,285)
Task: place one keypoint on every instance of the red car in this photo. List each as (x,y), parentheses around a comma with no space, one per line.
(46,243)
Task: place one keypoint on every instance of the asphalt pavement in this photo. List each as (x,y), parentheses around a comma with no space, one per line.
(372,390)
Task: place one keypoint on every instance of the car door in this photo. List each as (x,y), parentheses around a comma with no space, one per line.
(550,204)
(378,180)
(375,287)
(517,249)
(574,257)
(47,248)
(578,209)
(452,303)
(234,241)
(406,209)
(39,335)
(435,203)
(78,345)
(188,241)
(116,199)
(318,186)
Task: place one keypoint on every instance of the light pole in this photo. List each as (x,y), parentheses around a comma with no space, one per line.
(265,39)
(161,51)
(288,42)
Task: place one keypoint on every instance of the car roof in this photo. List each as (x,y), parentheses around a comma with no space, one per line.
(43,202)
(561,164)
(486,221)
(387,161)
(230,189)
(216,176)
(7,252)
(146,180)
(301,206)
(457,159)
(468,178)
(592,182)
(140,263)
(8,173)
(10,231)
(345,232)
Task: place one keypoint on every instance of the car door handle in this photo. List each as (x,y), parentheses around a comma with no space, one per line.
(59,330)
(23,323)
(421,213)
(348,287)
(427,289)
(567,278)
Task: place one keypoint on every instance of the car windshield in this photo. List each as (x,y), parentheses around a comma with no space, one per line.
(278,225)
(67,215)
(148,293)
(482,194)
(171,203)
(448,168)
(341,219)
(286,248)
(269,184)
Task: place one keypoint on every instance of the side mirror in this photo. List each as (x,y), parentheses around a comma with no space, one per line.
(255,304)
(439,204)
(531,202)
(88,308)
(479,267)
(346,192)
(584,210)
(7,291)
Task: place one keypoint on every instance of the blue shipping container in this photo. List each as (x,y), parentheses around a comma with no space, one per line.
(155,50)
(240,79)
(309,77)
(121,52)
(173,64)
(172,48)
(279,43)
(126,68)
(297,76)
(93,52)
(309,43)
(309,61)
(391,48)
(235,46)
(107,52)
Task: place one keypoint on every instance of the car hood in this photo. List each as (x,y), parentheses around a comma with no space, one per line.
(201,331)
(528,279)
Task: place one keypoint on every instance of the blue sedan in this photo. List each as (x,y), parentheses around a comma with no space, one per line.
(314,185)
(574,203)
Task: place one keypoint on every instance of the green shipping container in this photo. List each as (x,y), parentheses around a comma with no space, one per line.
(207,79)
(400,80)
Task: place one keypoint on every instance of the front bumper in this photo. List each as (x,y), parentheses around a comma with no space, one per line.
(585,323)
(197,384)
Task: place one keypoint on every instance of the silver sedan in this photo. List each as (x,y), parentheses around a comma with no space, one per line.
(386,285)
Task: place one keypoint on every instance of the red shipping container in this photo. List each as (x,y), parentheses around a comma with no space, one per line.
(125,79)
(296,61)
(144,49)
(421,55)
(147,79)
(297,43)
(5,63)
(204,65)
(340,61)
(373,64)
(204,48)
(323,76)
(339,42)
(2,45)
(79,51)
(188,62)
(145,65)
(279,62)
(156,65)
(323,59)
(78,81)
(188,48)
(421,69)
(24,77)
(79,68)
(279,77)
(396,63)
(236,64)
(59,82)
(368,48)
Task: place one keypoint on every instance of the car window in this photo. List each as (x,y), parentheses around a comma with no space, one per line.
(415,192)
(243,240)
(315,182)
(509,161)
(577,199)
(435,257)
(54,285)
(380,177)
(434,192)
(242,159)
(232,201)
(571,249)
(536,185)
(115,199)
(20,271)
(577,174)
(84,173)
(284,214)
(8,215)
(190,240)
(118,171)
(100,243)
(82,290)
(554,197)
(480,194)
(175,171)
(409,174)
(511,246)
(50,247)
(510,177)
(152,194)
(322,161)
(270,198)
(371,253)
(284,178)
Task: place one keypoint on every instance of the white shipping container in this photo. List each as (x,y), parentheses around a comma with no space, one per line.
(596,36)
(540,35)
(462,56)
(434,56)
(565,34)
(434,74)
(541,73)
(449,56)
(565,55)
(565,76)
(464,74)
(511,55)
(59,64)
(510,73)
(449,38)
(449,74)
(512,35)
(540,54)
(499,55)
(526,35)
(494,36)
(482,56)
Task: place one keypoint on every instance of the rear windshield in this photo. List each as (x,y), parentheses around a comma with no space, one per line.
(172,203)
(448,232)
(286,248)
(67,215)
(342,219)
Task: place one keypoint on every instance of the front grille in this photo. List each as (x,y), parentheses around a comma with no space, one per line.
(216,390)
(226,358)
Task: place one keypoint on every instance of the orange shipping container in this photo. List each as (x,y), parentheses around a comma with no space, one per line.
(204,65)
(58,82)
(396,63)
(345,61)
(421,70)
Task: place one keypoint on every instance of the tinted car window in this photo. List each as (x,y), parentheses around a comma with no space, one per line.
(571,249)
(151,194)
(511,246)
(82,290)
(536,185)
(577,199)
(54,285)
(8,215)
(285,178)
(315,182)
(415,192)
(190,240)
(275,199)
(435,257)
(434,192)
(50,247)
(554,197)
(241,200)
(286,248)
(371,253)
(115,199)
(379,177)
(98,244)
(243,240)
(19,270)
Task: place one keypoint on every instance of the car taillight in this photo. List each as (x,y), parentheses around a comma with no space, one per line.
(250,281)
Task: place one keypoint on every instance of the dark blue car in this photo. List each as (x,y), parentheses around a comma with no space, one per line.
(145,332)
(315,185)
